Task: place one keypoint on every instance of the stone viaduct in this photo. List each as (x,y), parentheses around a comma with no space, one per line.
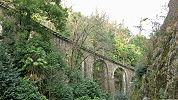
(87,67)
(64,44)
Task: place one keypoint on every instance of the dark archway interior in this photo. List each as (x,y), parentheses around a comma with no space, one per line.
(83,66)
(118,79)
(100,74)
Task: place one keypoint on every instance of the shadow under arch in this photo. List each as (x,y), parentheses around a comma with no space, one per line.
(100,74)
(83,66)
(84,69)
(120,80)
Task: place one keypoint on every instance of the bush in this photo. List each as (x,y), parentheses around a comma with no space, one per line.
(120,96)
(8,81)
(88,98)
(26,91)
(64,92)
(8,75)
(12,87)
(87,88)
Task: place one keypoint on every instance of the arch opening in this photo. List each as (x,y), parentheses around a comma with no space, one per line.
(100,74)
(83,68)
(119,80)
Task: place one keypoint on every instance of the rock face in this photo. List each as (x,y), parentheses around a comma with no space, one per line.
(161,80)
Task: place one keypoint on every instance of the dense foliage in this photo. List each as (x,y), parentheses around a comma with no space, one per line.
(109,39)
(11,85)
(31,67)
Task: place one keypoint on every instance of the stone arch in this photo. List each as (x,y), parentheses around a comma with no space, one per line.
(100,73)
(120,80)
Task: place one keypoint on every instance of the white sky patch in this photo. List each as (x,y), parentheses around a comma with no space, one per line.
(130,10)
